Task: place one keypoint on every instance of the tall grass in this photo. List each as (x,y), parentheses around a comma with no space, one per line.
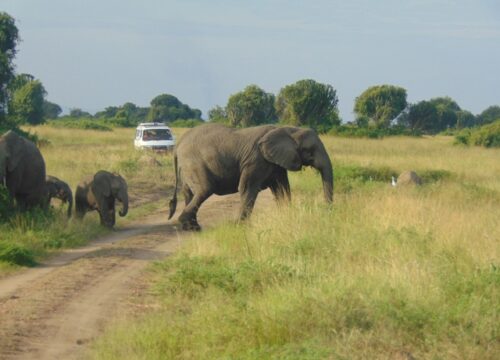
(389,273)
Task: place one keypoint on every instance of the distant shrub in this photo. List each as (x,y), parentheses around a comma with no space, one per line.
(371,132)
(487,135)
(186,123)
(83,123)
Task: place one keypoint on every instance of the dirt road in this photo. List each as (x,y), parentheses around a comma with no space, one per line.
(53,311)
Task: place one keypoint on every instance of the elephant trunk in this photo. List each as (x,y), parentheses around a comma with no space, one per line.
(124,200)
(324,166)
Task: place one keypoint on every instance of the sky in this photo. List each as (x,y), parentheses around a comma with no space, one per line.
(91,54)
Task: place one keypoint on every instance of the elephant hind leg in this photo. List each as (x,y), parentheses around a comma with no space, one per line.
(188,194)
(188,217)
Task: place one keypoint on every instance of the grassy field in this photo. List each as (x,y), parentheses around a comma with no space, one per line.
(72,155)
(390,273)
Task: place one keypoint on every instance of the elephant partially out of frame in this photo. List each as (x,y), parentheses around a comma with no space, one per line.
(100,193)
(58,189)
(214,159)
(22,171)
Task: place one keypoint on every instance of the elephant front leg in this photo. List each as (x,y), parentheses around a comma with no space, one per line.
(104,213)
(247,204)
(248,190)
(112,215)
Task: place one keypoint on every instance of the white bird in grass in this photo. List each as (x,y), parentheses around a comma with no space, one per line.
(393,181)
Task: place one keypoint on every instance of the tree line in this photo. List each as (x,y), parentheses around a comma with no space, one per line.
(304,103)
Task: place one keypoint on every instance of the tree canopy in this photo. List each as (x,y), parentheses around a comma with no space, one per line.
(308,103)
(250,107)
(422,116)
(167,108)
(379,105)
(489,115)
(436,115)
(26,103)
(9,38)
(218,115)
(51,110)
(79,113)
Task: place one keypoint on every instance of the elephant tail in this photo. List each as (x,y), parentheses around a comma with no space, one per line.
(173,203)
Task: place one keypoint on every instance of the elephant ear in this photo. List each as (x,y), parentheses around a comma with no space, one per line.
(101,185)
(16,148)
(279,148)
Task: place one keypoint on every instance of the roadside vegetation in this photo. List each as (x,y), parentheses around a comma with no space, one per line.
(487,135)
(71,155)
(388,273)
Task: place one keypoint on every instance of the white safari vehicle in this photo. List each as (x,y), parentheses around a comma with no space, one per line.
(154,136)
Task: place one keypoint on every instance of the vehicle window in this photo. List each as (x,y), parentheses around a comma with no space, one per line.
(156,134)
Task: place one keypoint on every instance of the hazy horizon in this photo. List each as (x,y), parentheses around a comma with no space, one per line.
(104,53)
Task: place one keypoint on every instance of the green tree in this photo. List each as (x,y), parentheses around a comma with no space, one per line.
(51,110)
(447,110)
(422,116)
(26,103)
(250,107)
(380,105)
(108,112)
(218,115)
(465,119)
(9,37)
(308,103)
(489,115)
(167,108)
(79,113)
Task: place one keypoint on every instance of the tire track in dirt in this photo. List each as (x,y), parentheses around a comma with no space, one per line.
(55,310)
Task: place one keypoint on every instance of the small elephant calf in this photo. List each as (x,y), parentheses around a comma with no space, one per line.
(100,193)
(58,189)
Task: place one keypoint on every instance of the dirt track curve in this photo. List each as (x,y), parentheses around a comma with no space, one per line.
(53,311)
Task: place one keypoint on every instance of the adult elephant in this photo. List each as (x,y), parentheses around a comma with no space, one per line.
(100,193)
(58,189)
(22,170)
(214,159)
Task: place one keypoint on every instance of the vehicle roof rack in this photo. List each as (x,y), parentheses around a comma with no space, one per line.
(153,124)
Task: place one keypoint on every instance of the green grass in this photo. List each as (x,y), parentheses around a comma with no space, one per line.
(28,237)
(389,272)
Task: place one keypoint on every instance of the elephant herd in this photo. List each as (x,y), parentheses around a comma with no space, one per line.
(22,172)
(209,159)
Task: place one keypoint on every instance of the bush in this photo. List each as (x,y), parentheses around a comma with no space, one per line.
(371,132)
(186,123)
(16,254)
(84,123)
(487,135)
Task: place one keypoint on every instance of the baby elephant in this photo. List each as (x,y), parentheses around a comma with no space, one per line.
(58,189)
(99,193)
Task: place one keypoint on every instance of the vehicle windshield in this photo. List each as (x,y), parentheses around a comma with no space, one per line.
(156,134)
